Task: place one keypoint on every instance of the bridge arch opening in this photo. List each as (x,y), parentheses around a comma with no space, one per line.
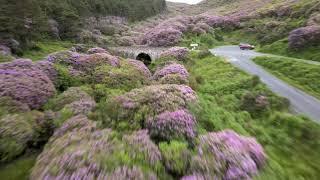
(145,58)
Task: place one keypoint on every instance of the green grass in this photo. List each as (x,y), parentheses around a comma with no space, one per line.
(43,48)
(281,48)
(291,142)
(18,169)
(299,74)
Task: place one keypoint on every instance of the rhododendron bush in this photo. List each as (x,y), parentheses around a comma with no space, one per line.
(135,107)
(23,81)
(111,118)
(86,152)
(227,155)
(304,36)
(179,53)
(169,33)
(167,72)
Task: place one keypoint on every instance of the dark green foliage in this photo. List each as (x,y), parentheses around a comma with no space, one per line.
(19,169)
(66,79)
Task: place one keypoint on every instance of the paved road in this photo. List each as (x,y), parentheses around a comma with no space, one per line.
(301,102)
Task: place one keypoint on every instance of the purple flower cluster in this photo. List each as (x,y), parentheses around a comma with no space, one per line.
(179,124)
(89,62)
(63,57)
(160,36)
(158,98)
(76,123)
(74,99)
(140,66)
(48,68)
(304,36)
(97,50)
(125,173)
(25,82)
(170,69)
(169,33)
(79,150)
(179,53)
(140,142)
(228,155)
(83,106)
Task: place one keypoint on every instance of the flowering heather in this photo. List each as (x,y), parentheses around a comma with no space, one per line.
(224,22)
(140,142)
(126,76)
(125,173)
(48,68)
(173,79)
(89,62)
(198,31)
(159,98)
(74,98)
(97,50)
(8,105)
(304,36)
(228,155)
(15,133)
(171,69)
(179,53)
(162,37)
(23,81)
(140,66)
(90,153)
(126,41)
(76,123)
(179,124)
(63,57)
(83,106)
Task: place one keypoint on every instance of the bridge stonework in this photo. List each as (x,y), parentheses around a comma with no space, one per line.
(133,52)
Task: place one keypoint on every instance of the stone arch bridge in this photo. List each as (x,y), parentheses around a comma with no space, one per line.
(139,52)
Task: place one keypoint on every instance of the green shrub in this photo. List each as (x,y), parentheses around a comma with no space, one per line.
(176,157)
(66,79)
(204,53)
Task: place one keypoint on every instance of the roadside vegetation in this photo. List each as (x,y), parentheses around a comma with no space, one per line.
(291,142)
(299,74)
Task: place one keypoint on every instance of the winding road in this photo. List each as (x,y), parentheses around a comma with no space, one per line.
(301,102)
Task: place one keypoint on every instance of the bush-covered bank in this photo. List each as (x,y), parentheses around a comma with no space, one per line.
(281,48)
(25,21)
(302,75)
(228,99)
